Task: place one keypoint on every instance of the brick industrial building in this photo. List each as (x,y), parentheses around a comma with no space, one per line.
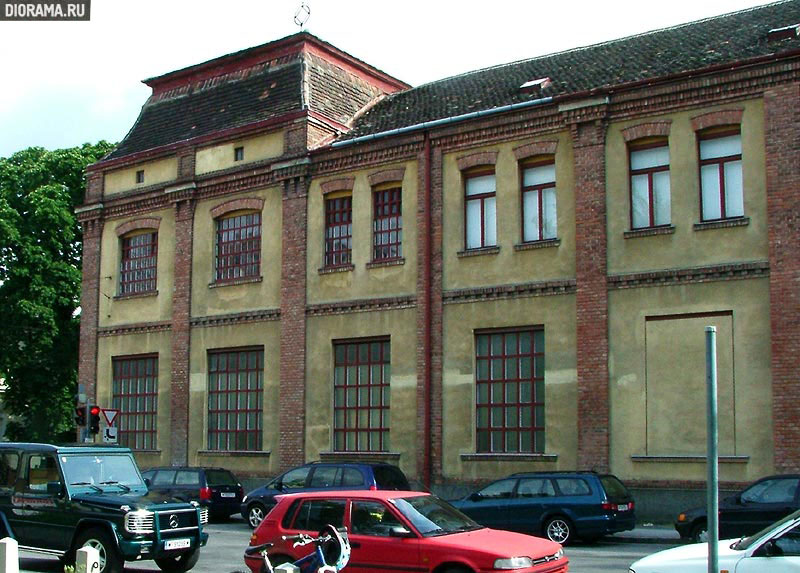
(293,255)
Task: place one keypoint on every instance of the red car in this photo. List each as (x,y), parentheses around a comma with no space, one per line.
(402,531)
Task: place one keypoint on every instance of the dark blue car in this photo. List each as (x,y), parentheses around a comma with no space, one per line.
(558,505)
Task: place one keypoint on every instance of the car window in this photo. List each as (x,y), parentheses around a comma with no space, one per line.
(389,477)
(163,477)
(498,489)
(323,477)
(779,490)
(536,487)
(220,477)
(788,544)
(187,477)
(42,470)
(573,486)
(315,514)
(351,477)
(372,518)
(614,487)
(295,479)
(9,464)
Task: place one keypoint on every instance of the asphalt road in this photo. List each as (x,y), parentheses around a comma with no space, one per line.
(227,541)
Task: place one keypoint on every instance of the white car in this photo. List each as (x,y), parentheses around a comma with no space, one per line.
(775,549)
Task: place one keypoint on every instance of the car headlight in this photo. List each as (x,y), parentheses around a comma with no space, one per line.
(513,563)
(139,522)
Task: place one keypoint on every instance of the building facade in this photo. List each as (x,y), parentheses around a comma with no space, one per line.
(293,255)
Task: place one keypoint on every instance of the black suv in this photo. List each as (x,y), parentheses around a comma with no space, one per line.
(556,505)
(319,476)
(215,488)
(57,499)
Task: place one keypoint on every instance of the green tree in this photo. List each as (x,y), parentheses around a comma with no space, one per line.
(40,286)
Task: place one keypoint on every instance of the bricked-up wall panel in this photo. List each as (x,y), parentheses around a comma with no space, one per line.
(90,293)
(591,296)
(293,324)
(782,125)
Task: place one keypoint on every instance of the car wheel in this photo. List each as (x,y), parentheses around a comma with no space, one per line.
(179,563)
(256,513)
(457,570)
(699,533)
(558,529)
(110,560)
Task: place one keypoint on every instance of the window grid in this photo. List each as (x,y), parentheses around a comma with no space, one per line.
(361,396)
(238,247)
(135,394)
(387,225)
(485,203)
(720,163)
(235,389)
(338,231)
(537,193)
(650,173)
(137,273)
(510,391)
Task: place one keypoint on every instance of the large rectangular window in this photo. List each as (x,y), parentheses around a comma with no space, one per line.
(238,247)
(361,395)
(722,189)
(480,210)
(134,393)
(338,231)
(387,225)
(137,271)
(235,387)
(509,391)
(650,194)
(539,220)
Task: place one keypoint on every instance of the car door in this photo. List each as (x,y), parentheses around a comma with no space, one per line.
(163,482)
(9,470)
(489,506)
(761,504)
(527,505)
(780,554)
(374,546)
(42,499)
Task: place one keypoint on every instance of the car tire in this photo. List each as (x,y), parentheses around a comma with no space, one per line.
(255,514)
(110,559)
(559,529)
(457,570)
(699,533)
(180,563)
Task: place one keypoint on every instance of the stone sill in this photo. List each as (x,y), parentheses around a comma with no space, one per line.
(359,456)
(387,263)
(478,252)
(650,232)
(234,453)
(688,459)
(509,457)
(722,224)
(136,295)
(544,244)
(234,282)
(147,452)
(338,269)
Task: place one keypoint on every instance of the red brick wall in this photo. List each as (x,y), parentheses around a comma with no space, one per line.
(92,224)
(782,138)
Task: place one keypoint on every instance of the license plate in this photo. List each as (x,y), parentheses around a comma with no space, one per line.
(227,494)
(177,543)
(623,507)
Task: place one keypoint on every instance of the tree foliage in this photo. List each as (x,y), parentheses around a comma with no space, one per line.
(40,286)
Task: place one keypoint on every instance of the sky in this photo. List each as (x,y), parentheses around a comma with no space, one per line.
(66,83)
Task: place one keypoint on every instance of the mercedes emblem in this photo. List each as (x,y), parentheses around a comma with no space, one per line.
(173,521)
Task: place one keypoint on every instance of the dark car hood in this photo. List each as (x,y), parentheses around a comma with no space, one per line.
(133,499)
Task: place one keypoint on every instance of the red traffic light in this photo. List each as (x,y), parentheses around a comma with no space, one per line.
(94,419)
(80,415)
(94,410)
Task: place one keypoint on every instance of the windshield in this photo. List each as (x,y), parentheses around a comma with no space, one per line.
(100,471)
(745,543)
(433,516)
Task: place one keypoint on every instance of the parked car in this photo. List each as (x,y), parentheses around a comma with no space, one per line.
(57,499)
(321,476)
(402,531)
(215,488)
(775,549)
(757,506)
(558,505)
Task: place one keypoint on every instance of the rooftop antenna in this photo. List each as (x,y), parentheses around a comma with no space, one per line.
(302,15)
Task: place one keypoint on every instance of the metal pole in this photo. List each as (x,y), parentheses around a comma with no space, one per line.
(712,486)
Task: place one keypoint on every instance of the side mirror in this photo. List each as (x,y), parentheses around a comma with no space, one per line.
(400,531)
(769,549)
(147,482)
(475,496)
(54,488)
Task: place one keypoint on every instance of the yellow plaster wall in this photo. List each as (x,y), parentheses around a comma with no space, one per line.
(231,298)
(745,397)
(109,347)
(136,309)
(401,327)
(509,266)
(263,334)
(157,171)
(218,157)
(687,247)
(557,315)
(362,282)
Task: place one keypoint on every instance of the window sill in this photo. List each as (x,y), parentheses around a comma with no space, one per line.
(478,252)
(338,269)
(242,281)
(543,244)
(722,224)
(386,263)
(136,295)
(509,457)
(688,459)
(359,456)
(147,452)
(234,453)
(650,231)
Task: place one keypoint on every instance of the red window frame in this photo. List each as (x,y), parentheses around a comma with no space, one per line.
(338,230)
(387,224)
(481,197)
(649,171)
(134,392)
(139,263)
(539,190)
(720,163)
(235,397)
(237,249)
(361,395)
(509,398)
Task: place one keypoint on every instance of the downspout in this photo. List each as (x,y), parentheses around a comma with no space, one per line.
(428,314)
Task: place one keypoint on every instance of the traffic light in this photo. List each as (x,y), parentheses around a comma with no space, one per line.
(80,415)
(94,419)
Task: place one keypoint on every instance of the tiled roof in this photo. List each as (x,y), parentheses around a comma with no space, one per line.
(714,41)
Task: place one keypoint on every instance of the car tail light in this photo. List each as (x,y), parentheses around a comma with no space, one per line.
(205,493)
(609,506)
(373,487)
(241,492)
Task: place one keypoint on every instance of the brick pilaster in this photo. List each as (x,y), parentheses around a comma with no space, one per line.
(782,139)
(592,294)
(293,323)
(91,220)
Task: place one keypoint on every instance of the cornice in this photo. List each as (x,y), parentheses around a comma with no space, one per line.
(363,305)
(543,288)
(262,315)
(712,273)
(138,328)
